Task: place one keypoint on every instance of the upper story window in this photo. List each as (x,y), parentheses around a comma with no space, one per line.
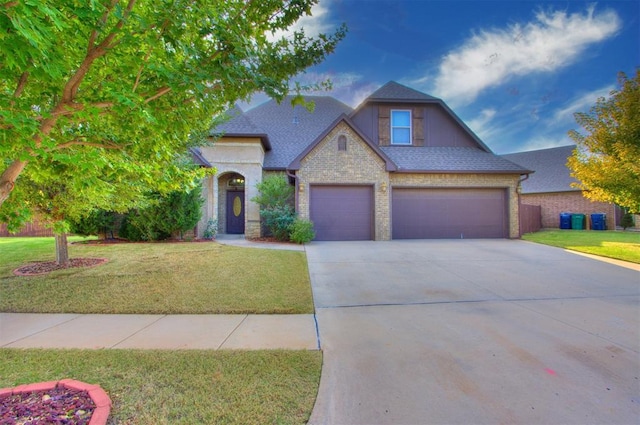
(400,127)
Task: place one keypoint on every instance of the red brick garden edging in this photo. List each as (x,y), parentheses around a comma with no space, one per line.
(97,394)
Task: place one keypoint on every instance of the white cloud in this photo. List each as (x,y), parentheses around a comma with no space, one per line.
(580,104)
(317,22)
(492,57)
(481,125)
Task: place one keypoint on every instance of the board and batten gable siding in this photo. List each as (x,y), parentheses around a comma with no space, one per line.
(326,164)
(431,125)
(446,180)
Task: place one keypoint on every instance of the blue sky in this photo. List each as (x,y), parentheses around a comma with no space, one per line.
(514,71)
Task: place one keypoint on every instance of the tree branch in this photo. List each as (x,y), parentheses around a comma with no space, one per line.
(10,4)
(161,92)
(103,21)
(8,178)
(95,52)
(22,82)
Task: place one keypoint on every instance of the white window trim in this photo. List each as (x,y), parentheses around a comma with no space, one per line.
(391,127)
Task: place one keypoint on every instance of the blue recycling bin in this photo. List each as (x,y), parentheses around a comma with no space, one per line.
(565,220)
(599,221)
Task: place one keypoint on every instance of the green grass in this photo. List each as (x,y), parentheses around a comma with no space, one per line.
(156,278)
(613,244)
(182,387)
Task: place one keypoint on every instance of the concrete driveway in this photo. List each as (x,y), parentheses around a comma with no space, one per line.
(474,332)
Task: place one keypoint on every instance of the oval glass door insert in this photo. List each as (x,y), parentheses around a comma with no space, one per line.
(237,206)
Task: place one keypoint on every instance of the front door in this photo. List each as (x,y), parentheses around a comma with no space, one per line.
(235,212)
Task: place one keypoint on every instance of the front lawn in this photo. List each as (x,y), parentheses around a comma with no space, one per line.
(156,278)
(613,244)
(182,387)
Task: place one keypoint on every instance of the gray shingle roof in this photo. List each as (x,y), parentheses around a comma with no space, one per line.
(550,166)
(290,128)
(449,159)
(393,91)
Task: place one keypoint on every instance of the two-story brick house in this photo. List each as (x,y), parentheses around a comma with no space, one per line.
(401,165)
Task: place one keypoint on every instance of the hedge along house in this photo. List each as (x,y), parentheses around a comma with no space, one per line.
(401,165)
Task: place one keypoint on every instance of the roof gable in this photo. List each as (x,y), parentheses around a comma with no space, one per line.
(288,129)
(296,163)
(397,94)
(394,92)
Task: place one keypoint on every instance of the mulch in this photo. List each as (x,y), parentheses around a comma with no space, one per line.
(43,267)
(55,406)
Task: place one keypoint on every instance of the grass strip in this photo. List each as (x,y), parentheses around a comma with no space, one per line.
(612,244)
(182,387)
(157,278)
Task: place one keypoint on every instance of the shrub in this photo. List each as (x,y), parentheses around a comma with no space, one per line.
(164,216)
(276,205)
(97,223)
(212,229)
(302,231)
(627,221)
(278,220)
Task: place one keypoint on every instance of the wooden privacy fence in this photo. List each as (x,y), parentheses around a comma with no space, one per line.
(30,229)
(530,218)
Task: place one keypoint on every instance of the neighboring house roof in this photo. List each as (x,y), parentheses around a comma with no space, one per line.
(550,166)
(450,160)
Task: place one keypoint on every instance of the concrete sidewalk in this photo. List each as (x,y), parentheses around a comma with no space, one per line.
(150,331)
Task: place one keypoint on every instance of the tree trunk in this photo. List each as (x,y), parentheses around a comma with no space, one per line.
(62,249)
(8,179)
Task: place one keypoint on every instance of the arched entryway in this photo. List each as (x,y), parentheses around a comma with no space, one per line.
(232,203)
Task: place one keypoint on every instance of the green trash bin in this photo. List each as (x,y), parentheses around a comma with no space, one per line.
(577,221)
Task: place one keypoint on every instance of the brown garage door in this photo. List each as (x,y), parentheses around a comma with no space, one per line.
(449,213)
(342,213)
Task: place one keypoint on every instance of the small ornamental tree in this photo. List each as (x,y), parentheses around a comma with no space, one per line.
(276,205)
(607,159)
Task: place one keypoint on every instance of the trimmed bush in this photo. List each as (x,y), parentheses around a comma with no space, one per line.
(302,231)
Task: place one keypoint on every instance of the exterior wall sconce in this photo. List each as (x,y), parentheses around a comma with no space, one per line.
(301,187)
(383,187)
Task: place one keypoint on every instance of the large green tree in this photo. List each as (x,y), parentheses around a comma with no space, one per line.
(99,97)
(607,159)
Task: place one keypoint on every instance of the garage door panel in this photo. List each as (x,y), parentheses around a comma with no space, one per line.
(449,213)
(342,212)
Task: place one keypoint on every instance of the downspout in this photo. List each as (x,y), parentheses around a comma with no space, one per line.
(295,179)
(519,192)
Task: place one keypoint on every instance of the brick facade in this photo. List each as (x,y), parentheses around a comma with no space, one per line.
(572,202)
(360,165)
(357,165)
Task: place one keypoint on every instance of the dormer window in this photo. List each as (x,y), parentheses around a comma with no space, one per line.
(400,127)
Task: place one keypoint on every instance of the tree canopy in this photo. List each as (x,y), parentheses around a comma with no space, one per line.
(100,98)
(607,159)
